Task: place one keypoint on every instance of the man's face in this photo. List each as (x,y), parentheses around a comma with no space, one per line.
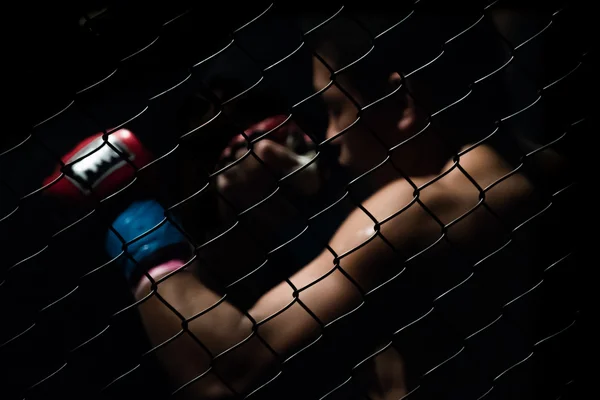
(390,121)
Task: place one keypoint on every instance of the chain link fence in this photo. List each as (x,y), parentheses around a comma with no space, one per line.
(501,321)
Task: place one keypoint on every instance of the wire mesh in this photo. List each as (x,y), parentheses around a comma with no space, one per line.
(504,322)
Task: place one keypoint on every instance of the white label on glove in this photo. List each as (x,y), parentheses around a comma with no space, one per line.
(93,168)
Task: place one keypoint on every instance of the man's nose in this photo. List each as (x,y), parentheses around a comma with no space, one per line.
(332,130)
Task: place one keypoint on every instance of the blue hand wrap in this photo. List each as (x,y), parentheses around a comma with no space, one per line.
(140,217)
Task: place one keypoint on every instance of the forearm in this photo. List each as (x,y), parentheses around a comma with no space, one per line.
(206,335)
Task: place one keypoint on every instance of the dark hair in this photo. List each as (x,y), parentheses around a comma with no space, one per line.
(344,42)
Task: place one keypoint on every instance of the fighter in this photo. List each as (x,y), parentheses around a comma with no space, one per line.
(366,247)
(396,219)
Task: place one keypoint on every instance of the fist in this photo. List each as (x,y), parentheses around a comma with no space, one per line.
(286,150)
(95,166)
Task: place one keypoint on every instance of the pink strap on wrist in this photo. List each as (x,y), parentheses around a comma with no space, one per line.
(159,271)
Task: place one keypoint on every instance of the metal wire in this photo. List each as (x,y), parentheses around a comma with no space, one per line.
(457,345)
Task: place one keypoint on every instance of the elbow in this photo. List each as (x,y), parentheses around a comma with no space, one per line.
(239,371)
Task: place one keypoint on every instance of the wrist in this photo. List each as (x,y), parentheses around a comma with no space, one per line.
(147,239)
(144,285)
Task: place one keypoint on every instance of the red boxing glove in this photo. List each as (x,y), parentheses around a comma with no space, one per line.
(94,164)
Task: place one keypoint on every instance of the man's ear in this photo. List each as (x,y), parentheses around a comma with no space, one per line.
(395,79)
(408,116)
(320,74)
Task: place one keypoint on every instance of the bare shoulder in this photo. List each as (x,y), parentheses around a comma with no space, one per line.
(486,180)
(479,193)
(477,200)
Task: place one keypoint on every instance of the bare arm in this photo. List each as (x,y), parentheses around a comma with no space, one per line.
(244,367)
(224,326)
